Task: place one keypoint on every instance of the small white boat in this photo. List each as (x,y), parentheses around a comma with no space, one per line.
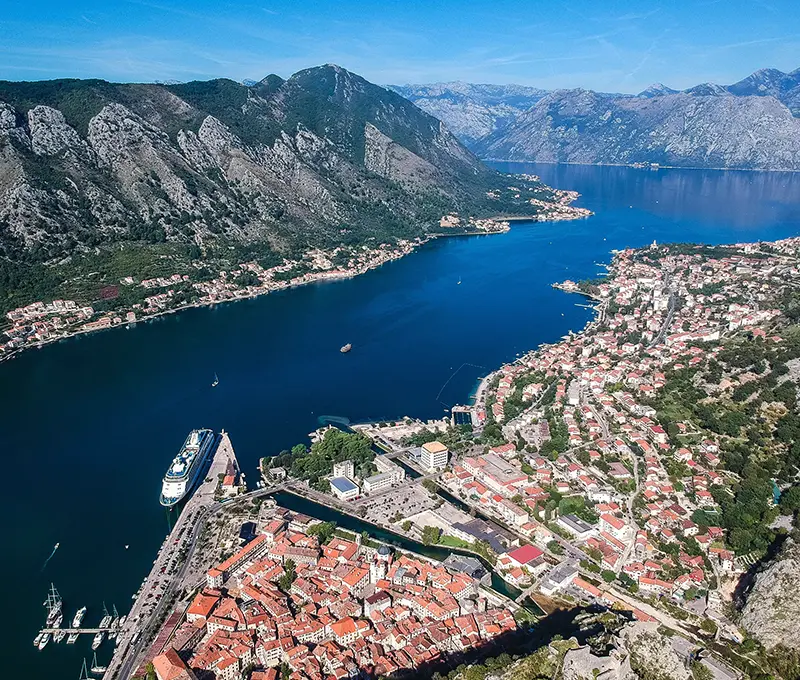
(98,639)
(96,667)
(43,642)
(72,638)
(78,618)
(105,622)
(216,381)
(38,639)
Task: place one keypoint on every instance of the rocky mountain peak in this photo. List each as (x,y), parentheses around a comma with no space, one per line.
(656,90)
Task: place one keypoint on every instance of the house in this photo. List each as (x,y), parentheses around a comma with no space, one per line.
(169,666)
(576,526)
(343,488)
(559,578)
(527,556)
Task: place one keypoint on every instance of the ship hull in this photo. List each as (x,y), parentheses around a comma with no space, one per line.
(174,491)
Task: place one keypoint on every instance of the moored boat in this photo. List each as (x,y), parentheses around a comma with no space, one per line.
(59,635)
(98,639)
(38,639)
(187,467)
(78,618)
(72,638)
(43,642)
(53,605)
(105,622)
(96,667)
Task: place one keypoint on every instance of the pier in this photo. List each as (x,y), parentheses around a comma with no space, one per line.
(81,631)
(163,583)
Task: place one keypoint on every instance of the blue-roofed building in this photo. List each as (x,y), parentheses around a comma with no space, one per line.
(343,488)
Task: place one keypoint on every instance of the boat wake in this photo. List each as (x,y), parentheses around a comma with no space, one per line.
(55,547)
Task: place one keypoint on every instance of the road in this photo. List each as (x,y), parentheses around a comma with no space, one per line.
(667,321)
(168,571)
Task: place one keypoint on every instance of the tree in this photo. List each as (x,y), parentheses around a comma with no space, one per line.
(430,485)
(790,500)
(289,575)
(431,535)
(608,575)
(555,547)
(323,531)
(407,525)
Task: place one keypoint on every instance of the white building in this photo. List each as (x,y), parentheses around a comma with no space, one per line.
(343,488)
(434,455)
(344,469)
(379,482)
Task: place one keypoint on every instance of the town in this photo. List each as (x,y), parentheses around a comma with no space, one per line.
(585,473)
(130,300)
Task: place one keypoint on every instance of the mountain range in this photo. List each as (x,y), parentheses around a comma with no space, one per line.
(751,124)
(220,170)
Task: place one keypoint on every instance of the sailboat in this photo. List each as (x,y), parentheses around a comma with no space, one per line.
(114,623)
(96,667)
(84,672)
(106,620)
(53,604)
(216,381)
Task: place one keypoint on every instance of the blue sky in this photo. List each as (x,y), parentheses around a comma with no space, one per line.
(611,45)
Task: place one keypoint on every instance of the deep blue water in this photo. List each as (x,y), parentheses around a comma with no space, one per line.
(89,425)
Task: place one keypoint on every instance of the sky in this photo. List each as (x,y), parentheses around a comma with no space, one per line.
(608,45)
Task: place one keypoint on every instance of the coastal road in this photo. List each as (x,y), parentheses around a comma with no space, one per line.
(165,576)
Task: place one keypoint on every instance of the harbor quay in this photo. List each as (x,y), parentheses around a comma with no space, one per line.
(171,565)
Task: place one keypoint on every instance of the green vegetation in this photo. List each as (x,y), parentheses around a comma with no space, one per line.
(334,447)
(288,577)
(431,535)
(324,531)
(453,542)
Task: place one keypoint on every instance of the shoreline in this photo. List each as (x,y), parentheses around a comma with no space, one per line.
(632,167)
(323,277)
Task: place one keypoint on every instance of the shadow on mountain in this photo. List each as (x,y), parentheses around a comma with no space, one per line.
(582,623)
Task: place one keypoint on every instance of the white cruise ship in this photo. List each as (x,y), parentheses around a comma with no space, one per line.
(187,467)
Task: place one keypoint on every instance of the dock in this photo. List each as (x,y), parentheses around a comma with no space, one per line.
(81,631)
(135,641)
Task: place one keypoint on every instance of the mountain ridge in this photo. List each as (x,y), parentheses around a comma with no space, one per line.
(751,124)
(217,170)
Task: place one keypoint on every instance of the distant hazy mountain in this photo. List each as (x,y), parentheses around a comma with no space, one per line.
(751,124)
(471,111)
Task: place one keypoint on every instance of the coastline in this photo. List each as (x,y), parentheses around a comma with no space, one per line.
(310,278)
(633,167)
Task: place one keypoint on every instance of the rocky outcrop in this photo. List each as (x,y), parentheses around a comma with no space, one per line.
(651,654)
(582,664)
(772,609)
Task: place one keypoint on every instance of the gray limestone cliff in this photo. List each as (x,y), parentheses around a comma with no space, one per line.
(771,613)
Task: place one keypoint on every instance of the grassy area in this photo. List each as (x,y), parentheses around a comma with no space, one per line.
(453,542)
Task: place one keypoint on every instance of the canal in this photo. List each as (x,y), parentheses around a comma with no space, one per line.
(436,552)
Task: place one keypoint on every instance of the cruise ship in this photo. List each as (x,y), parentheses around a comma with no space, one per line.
(187,467)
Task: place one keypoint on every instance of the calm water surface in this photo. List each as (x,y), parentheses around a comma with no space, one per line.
(89,425)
